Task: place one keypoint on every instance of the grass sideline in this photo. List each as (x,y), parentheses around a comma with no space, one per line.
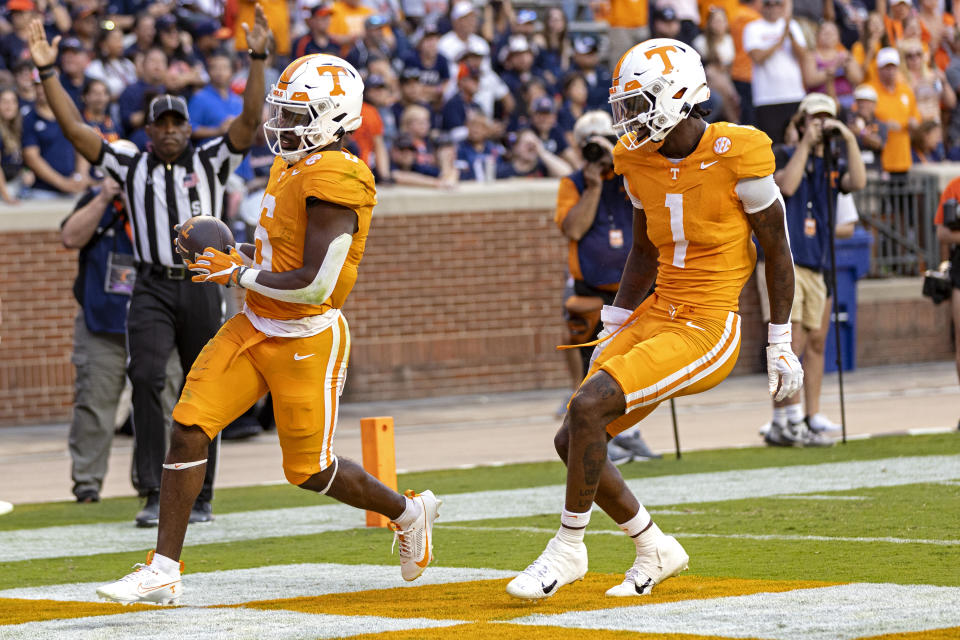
(239,499)
(918,511)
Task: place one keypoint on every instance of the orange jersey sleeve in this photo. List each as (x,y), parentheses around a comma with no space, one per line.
(332,176)
(952,191)
(755,155)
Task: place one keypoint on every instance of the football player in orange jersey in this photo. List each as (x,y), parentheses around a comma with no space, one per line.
(291,338)
(698,191)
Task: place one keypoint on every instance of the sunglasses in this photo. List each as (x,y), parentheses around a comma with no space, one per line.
(913,54)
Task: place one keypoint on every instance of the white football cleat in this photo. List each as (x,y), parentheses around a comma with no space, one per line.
(560,564)
(145,584)
(650,570)
(416,543)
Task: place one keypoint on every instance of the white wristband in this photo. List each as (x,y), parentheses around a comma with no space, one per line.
(614,316)
(779,333)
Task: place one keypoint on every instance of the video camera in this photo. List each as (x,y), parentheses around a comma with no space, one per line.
(593,152)
(951,219)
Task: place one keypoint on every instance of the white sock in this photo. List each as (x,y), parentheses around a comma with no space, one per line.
(636,524)
(647,541)
(794,412)
(410,514)
(780,416)
(572,526)
(166,565)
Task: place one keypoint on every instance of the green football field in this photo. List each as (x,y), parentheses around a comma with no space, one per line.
(844,542)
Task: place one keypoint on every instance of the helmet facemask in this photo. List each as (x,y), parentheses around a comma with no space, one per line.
(302,120)
(643,114)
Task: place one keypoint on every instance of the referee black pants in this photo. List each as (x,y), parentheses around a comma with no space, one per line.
(165,315)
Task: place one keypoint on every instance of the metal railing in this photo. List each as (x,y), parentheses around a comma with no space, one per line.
(899,211)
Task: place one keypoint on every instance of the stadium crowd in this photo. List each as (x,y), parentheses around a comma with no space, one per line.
(461,90)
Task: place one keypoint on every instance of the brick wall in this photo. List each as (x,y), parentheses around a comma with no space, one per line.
(446,303)
(36,377)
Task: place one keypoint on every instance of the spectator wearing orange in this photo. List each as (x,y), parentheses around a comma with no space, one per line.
(893,20)
(935,25)
(872,39)
(830,68)
(930,87)
(897,109)
(741,71)
(870,132)
(278,16)
(369,137)
(629,24)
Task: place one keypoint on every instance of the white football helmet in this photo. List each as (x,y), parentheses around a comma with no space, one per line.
(316,101)
(655,86)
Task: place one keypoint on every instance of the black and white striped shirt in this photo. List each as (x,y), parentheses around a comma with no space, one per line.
(160,195)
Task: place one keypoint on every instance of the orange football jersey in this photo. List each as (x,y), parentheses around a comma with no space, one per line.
(332,176)
(694,216)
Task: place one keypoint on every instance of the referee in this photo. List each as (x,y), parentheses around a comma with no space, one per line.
(163,187)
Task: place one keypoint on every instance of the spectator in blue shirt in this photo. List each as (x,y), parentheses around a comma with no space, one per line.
(13,45)
(317,40)
(574,101)
(544,124)
(477,155)
(11,158)
(454,114)
(48,153)
(23,80)
(145,32)
(214,107)
(528,159)
(433,69)
(586,60)
(74,59)
(411,92)
(135,98)
(518,65)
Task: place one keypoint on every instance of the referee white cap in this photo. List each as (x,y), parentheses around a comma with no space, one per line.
(166,102)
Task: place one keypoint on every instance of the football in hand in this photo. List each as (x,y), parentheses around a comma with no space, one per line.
(200,232)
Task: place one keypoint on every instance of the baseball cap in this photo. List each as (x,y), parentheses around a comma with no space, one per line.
(165,22)
(665,14)
(526,16)
(410,73)
(543,104)
(404,143)
(377,20)
(473,49)
(21,5)
(321,9)
(466,70)
(887,55)
(431,28)
(375,80)
(70,43)
(164,103)
(517,44)
(585,44)
(815,103)
(865,92)
(462,8)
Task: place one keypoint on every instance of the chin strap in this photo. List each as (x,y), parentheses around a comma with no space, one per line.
(180,466)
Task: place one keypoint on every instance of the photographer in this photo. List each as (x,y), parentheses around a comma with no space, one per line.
(803,181)
(948,233)
(595,214)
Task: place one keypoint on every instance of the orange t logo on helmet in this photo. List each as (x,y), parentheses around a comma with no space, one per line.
(335,72)
(662,52)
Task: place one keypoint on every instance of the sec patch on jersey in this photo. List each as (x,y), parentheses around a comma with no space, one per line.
(200,232)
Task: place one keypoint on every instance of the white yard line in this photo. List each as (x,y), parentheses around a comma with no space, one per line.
(215,624)
(94,539)
(237,586)
(828,613)
(814,496)
(733,536)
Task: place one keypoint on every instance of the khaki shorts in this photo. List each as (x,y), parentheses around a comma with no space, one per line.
(809,298)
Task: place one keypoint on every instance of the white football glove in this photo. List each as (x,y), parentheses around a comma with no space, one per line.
(612,318)
(783,370)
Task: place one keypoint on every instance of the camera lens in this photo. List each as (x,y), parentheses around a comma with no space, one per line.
(592,152)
